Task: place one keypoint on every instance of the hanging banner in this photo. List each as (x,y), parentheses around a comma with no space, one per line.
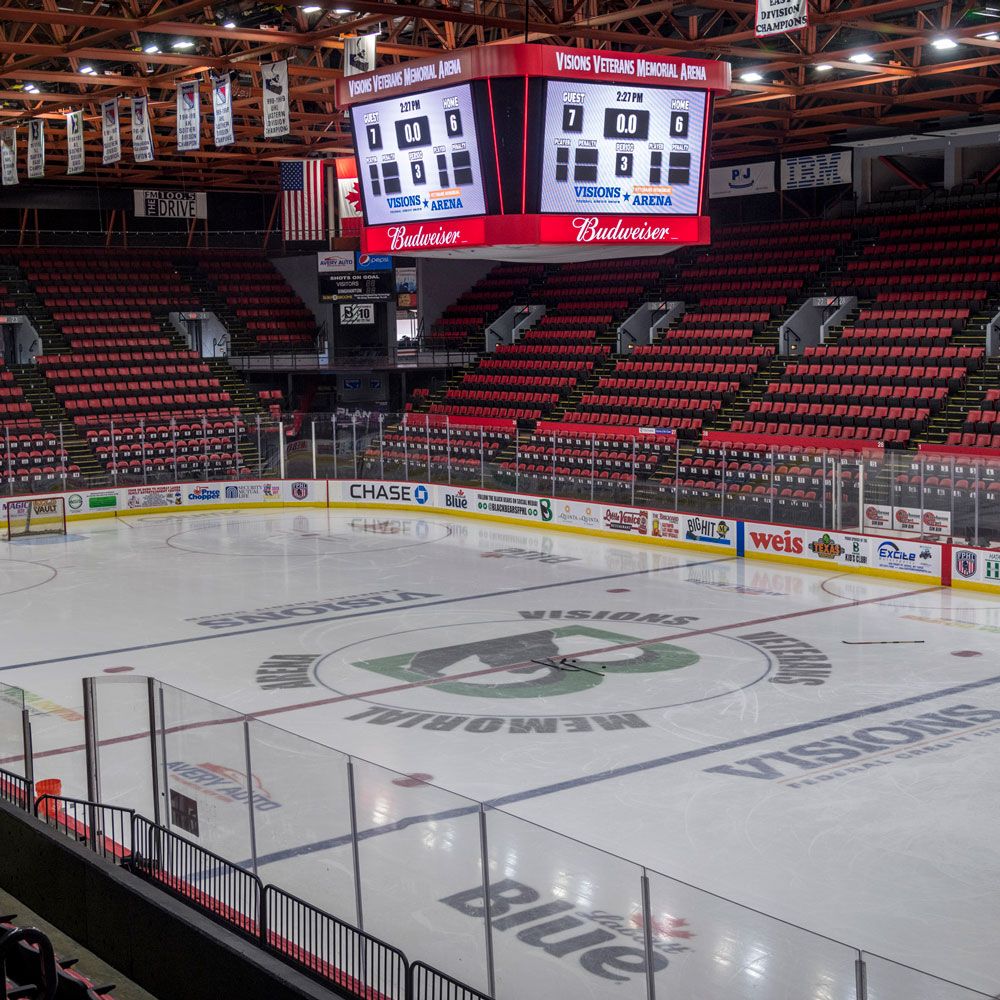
(142,133)
(816,170)
(36,148)
(222,110)
(8,155)
(188,116)
(276,117)
(776,17)
(741,179)
(75,156)
(359,54)
(110,131)
(170,204)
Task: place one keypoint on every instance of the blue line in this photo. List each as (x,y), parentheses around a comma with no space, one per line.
(360,614)
(620,772)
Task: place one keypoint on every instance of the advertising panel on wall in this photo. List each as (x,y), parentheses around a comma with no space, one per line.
(882,517)
(975,568)
(845,550)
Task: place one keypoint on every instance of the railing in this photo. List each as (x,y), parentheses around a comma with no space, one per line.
(332,950)
(327,948)
(106,830)
(45,966)
(426,983)
(15,789)
(222,890)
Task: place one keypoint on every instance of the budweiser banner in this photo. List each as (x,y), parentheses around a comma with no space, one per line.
(816,170)
(276,117)
(36,148)
(142,133)
(222,110)
(188,116)
(741,179)
(359,54)
(8,155)
(776,17)
(110,131)
(75,156)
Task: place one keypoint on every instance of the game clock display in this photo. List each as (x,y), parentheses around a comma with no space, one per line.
(418,157)
(616,149)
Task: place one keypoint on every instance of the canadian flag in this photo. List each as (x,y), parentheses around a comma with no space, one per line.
(348,197)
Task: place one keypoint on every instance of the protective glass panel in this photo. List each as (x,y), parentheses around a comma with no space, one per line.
(891,981)
(124,757)
(714,949)
(566,917)
(302,819)
(11,736)
(419,847)
(58,738)
(204,793)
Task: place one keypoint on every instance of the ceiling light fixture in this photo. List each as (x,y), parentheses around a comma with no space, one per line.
(751,76)
(311,9)
(342,10)
(861,57)
(151,50)
(31,88)
(89,70)
(944,44)
(823,68)
(229,24)
(184,43)
(990,36)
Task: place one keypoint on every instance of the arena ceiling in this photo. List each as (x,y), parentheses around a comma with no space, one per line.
(860,70)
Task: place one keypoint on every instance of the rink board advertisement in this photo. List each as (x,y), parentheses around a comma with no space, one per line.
(975,569)
(846,551)
(840,551)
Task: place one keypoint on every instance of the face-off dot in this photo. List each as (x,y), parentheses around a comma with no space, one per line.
(966,652)
(619,590)
(118,670)
(412,780)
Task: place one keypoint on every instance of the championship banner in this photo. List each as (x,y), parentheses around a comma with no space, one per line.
(222,110)
(348,196)
(110,132)
(8,155)
(142,133)
(741,179)
(816,170)
(277,121)
(36,148)
(359,54)
(776,17)
(188,116)
(75,156)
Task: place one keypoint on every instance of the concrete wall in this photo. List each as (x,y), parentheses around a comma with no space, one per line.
(300,273)
(441,282)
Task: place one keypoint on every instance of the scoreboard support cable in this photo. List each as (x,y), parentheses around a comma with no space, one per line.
(528,152)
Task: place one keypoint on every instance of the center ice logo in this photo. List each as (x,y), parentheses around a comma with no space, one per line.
(543,662)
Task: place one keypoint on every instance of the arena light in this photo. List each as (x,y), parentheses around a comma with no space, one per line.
(823,68)
(229,24)
(151,50)
(184,43)
(751,76)
(861,57)
(31,88)
(990,36)
(944,44)
(88,70)
(342,10)
(311,9)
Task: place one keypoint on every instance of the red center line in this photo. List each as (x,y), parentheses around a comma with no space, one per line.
(410,685)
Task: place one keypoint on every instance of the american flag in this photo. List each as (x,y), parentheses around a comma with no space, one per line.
(303,207)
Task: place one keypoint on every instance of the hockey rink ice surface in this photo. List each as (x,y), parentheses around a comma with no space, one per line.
(735,725)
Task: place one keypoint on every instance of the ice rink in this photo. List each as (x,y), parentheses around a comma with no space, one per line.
(822,749)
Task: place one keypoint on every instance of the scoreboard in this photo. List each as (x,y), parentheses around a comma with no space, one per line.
(612,148)
(533,152)
(419,156)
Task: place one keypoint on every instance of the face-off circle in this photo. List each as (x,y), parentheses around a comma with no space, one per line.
(535,668)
